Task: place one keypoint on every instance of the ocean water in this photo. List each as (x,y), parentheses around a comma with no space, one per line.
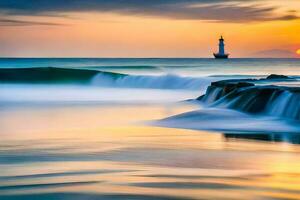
(125,130)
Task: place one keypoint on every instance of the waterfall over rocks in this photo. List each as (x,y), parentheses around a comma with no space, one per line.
(247,97)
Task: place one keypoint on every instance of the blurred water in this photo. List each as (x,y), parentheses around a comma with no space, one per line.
(93,141)
(179,66)
(104,152)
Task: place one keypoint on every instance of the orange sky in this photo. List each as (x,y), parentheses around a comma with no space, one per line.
(117,34)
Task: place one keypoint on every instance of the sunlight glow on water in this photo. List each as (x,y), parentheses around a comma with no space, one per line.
(103,151)
(95,140)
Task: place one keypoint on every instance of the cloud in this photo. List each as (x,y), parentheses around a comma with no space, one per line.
(288,17)
(211,10)
(12,22)
(274,53)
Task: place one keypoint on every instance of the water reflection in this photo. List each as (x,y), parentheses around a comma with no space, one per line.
(56,153)
(271,137)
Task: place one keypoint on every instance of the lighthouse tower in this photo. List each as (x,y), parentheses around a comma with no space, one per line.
(221,46)
(221,54)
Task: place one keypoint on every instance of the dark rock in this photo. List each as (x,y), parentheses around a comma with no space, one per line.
(227,86)
(276,76)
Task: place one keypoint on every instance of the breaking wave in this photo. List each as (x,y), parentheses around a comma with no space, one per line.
(168,81)
(45,75)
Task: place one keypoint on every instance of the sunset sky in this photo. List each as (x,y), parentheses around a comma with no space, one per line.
(148,28)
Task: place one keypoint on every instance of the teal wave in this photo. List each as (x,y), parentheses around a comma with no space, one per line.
(51,75)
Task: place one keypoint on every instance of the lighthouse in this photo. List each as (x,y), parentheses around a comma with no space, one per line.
(221,54)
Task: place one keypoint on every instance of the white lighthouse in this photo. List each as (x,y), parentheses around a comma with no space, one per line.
(221,54)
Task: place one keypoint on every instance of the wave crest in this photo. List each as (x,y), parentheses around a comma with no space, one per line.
(100,78)
(168,81)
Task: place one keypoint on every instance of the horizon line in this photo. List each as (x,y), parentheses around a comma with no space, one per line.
(19,57)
